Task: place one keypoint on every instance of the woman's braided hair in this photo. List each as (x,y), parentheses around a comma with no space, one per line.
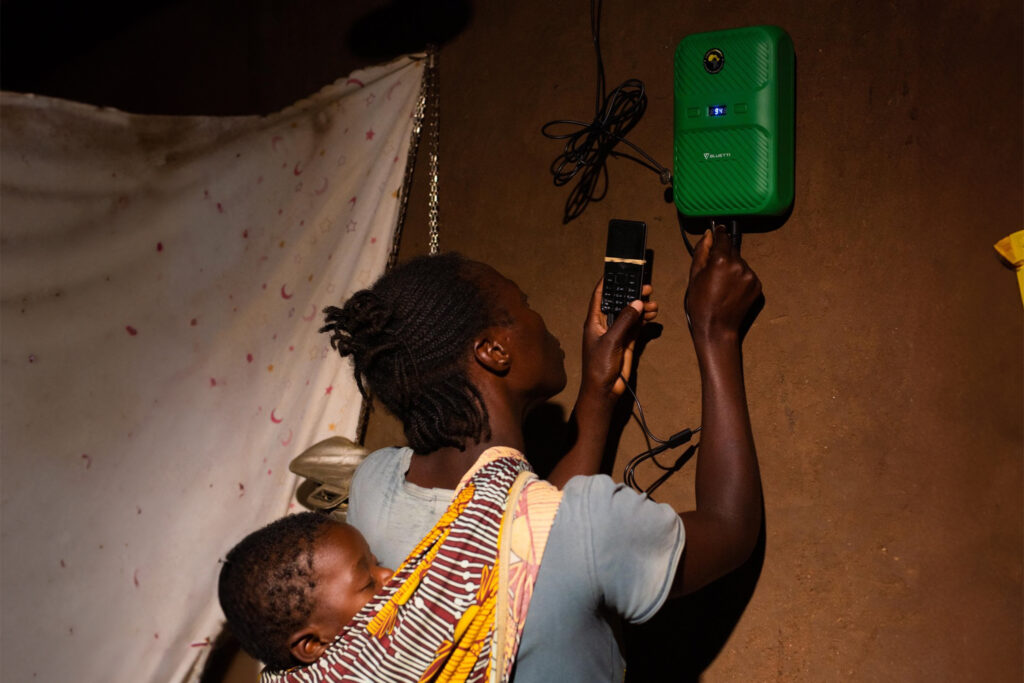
(408,336)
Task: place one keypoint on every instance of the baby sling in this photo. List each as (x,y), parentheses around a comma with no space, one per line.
(454,610)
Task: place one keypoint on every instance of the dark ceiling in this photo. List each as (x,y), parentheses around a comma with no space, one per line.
(217,57)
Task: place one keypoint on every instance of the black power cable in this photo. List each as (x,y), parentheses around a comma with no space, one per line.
(588,145)
(674,441)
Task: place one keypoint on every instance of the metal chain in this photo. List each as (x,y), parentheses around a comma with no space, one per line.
(403,206)
(410,167)
(427,107)
(434,123)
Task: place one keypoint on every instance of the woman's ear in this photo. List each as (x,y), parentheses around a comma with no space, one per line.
(491,353)
(306,646)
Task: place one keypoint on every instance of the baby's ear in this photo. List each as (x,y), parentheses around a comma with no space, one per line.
(306,646)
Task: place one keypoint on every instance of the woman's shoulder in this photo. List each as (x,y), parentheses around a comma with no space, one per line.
(384,462)
(375,480)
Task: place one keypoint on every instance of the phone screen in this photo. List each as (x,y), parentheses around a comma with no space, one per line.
(626,239)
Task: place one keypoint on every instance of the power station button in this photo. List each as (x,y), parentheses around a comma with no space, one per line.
(714,60)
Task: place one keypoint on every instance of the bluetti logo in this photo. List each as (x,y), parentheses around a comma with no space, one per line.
(709,156)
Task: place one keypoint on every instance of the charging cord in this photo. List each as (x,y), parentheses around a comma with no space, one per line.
(588,145)
(674,441)
(735,234)
(679,438)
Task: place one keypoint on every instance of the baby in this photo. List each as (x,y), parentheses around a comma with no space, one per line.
(289,588)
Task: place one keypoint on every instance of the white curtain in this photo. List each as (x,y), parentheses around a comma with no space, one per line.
(162,286)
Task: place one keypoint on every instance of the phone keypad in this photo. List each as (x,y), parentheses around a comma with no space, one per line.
(620,287)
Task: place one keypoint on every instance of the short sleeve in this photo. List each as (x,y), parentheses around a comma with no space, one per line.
(369,481)
(391,513)
(634,544)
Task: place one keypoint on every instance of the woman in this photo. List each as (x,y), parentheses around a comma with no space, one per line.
(454,351)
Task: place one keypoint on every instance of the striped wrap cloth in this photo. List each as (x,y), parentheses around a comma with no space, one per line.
(454,610)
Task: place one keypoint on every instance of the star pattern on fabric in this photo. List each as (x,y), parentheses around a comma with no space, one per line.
(284,231)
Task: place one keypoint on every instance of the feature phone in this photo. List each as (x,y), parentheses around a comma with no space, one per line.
(624,263)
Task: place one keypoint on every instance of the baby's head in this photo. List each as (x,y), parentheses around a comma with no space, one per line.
(289,588)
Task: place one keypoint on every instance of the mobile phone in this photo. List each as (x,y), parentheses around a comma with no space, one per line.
(623,265)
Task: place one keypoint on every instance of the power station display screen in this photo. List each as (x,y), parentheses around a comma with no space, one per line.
(717,110)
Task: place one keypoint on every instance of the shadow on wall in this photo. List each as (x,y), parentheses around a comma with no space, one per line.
(682,640)
(227,663)
(547,432)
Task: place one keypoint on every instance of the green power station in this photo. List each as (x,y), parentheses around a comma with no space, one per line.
(734,123)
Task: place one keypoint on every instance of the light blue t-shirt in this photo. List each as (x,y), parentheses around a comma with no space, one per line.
(611,551)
